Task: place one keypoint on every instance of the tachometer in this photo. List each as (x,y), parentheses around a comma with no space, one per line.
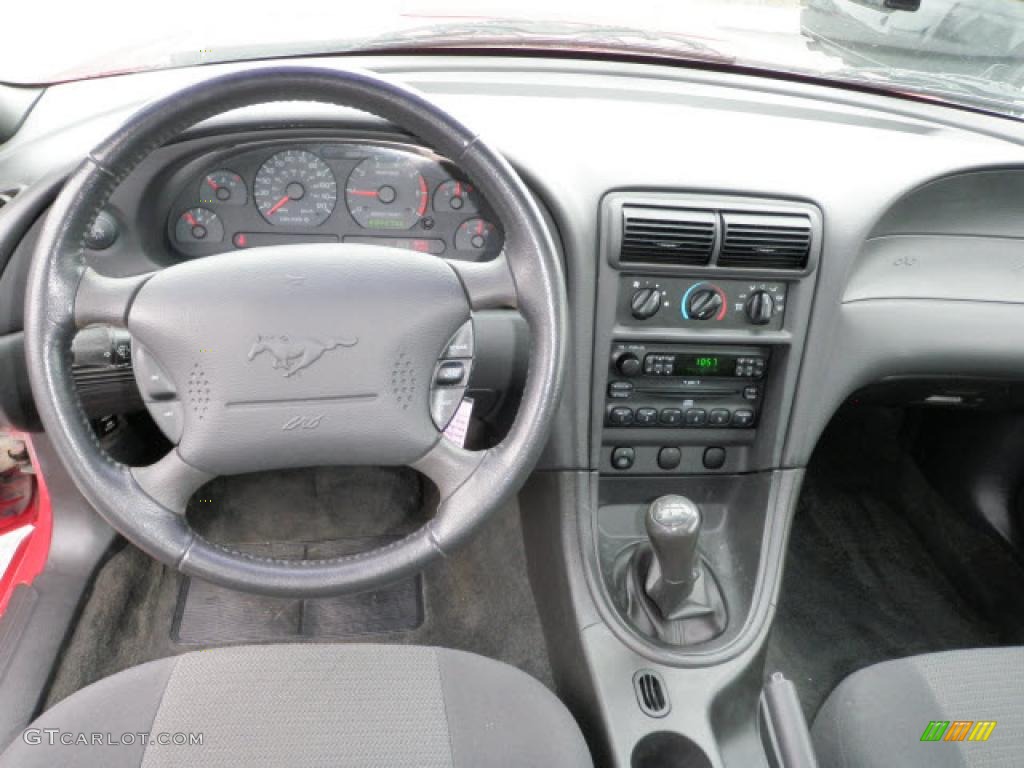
(296,188)
(386,192)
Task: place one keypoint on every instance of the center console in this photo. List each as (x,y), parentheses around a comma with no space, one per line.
(703,304)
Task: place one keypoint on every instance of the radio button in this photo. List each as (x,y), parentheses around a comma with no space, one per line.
(646,416)
(669,458)
(673,417)
(696,417)
(714,458)
(620,390)
(620,417)
(719,417)
(744,417)
(623,457)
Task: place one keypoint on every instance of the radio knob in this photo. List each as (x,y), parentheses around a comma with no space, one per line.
(703,304)
(628,364)
(759,307)
(645,303)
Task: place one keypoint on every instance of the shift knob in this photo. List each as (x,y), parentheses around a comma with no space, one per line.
(673,526)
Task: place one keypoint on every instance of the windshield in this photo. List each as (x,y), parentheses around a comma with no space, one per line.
(969,52)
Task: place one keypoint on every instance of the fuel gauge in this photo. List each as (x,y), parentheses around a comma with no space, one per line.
(199,225)
(474,235)
(223,188)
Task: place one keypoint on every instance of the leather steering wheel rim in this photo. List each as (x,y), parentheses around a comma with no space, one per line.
(146,505)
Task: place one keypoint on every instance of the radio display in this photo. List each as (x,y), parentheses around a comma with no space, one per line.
(700,365)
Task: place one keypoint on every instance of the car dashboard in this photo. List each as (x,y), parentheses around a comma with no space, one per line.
(743,255)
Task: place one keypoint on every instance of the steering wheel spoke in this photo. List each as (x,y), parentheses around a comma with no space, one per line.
(171,481)
(101,299)
(448,466)
(488,284)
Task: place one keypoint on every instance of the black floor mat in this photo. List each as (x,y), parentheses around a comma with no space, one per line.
(878,567)
(479,599)
(211,615)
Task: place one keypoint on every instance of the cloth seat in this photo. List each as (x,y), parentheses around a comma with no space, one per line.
(877,717)
(307,705)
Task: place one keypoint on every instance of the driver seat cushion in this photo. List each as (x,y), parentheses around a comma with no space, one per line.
(876,717)
(310,705)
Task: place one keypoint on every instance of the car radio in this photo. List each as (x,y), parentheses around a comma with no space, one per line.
(682,386)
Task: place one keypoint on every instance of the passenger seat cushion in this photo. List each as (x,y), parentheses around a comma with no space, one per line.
(875,718)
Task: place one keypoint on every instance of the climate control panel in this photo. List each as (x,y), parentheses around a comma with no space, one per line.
(695,303)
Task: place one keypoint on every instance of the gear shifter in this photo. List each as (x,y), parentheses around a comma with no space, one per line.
(673,526)
(664,587)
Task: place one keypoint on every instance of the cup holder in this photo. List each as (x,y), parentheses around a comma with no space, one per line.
(667,749)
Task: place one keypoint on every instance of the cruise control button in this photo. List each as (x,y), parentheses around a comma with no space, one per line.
(620,416)
(623,457)
(671,417)
(153,381)
(450,373)
(696,417)
(443,404)
(461,344)
(647,416)
(170,417)
(743,418)
(719,417)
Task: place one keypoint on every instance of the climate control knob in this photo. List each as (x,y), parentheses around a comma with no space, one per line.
(628,364)
(703,303)
(645,303)
(759,308)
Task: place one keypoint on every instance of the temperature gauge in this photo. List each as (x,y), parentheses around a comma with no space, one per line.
(199,225)
(474,235)
(223,188)
(455,196)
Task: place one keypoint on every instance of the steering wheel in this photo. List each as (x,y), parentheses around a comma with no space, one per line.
(297,355)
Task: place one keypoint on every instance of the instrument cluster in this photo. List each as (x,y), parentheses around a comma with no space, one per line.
(375,194)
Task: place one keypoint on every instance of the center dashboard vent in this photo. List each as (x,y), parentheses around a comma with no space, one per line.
(667,236)
(765,241)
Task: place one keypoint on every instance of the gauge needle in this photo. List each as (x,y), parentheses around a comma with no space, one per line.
(191,219)
(363,192)
(277,205)
(213,184)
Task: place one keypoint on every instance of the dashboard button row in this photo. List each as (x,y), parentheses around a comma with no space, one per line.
(622,416)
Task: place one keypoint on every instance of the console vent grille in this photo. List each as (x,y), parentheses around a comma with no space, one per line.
(765,241)
(651,693)
(667,236)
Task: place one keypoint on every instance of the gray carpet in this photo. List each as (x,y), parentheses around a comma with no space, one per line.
(879,567)
(479,600)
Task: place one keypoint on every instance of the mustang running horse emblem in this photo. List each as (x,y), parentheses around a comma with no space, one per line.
(293,356)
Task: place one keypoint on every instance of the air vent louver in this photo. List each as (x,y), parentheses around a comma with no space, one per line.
(667,236)
(765,241)
(651,694)
(6,195)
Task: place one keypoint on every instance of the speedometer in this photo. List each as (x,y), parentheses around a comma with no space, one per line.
(296,188)
(386,191)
